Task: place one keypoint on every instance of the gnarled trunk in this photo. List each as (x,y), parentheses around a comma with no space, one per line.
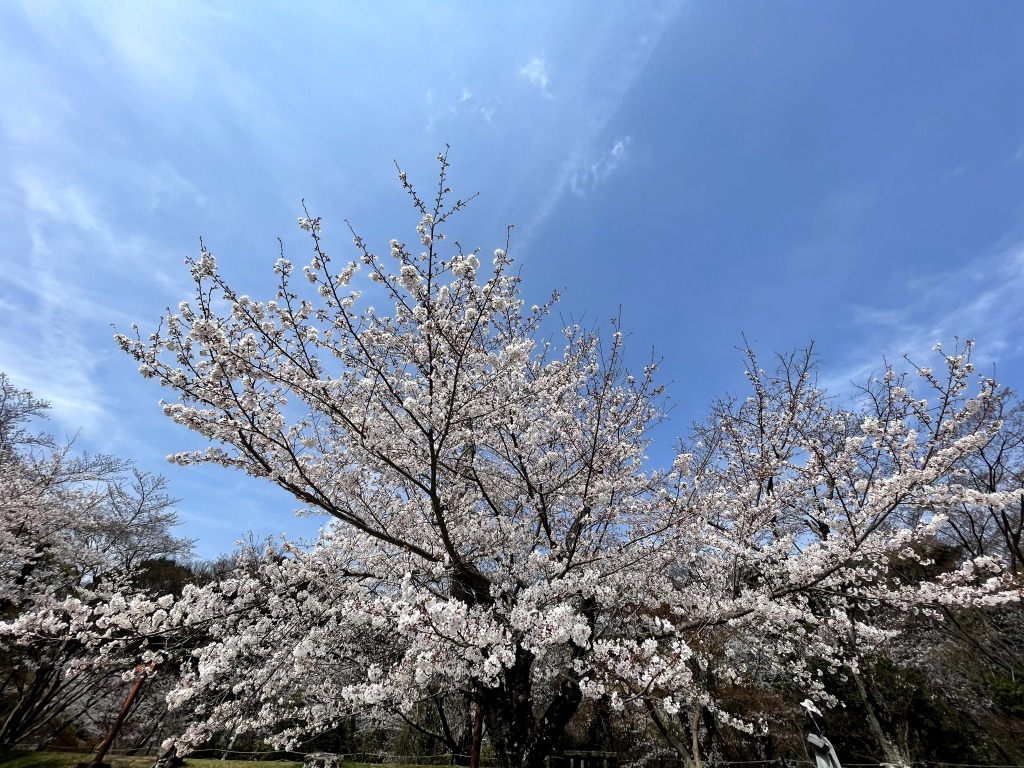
(520,738)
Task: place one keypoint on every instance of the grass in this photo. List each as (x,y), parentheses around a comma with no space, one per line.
(70,759)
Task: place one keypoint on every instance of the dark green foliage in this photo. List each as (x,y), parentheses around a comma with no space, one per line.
(1008,695)
(927,727)
(164,576)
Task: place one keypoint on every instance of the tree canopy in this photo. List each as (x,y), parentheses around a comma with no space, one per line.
(498,534)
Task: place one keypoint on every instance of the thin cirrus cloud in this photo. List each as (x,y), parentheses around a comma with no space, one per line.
(45,337)
(536,71)
(982,300)
(588,155)
(593,172)
(58,294)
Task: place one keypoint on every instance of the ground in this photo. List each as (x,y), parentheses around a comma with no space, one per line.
(70,759)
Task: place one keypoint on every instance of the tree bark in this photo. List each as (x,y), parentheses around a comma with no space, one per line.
(695,720)
(126,708)
(478,726)
(889,750)
(521,740)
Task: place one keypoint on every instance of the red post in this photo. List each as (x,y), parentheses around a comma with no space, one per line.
(104,746)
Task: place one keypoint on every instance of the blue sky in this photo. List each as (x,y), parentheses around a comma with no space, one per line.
(849,173)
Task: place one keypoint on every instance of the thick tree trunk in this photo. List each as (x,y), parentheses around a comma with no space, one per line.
(889,750)
(695,720)
(520,739)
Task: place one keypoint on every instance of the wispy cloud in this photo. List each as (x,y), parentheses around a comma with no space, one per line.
(536,71)
(164,47)
(35,111)
(155,58)
(585,160)
(467,103)
(592,173)
(57,296)
(983,300)
(954,173)
(44,344)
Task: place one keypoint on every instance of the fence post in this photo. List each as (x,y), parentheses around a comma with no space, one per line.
(478,726)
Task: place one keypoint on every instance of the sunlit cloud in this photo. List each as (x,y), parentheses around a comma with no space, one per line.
(45,344)
(441,110)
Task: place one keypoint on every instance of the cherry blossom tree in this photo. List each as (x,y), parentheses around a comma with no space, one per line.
(44,491)
(996,466)
(73,530)
(827,506)
(497,533)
